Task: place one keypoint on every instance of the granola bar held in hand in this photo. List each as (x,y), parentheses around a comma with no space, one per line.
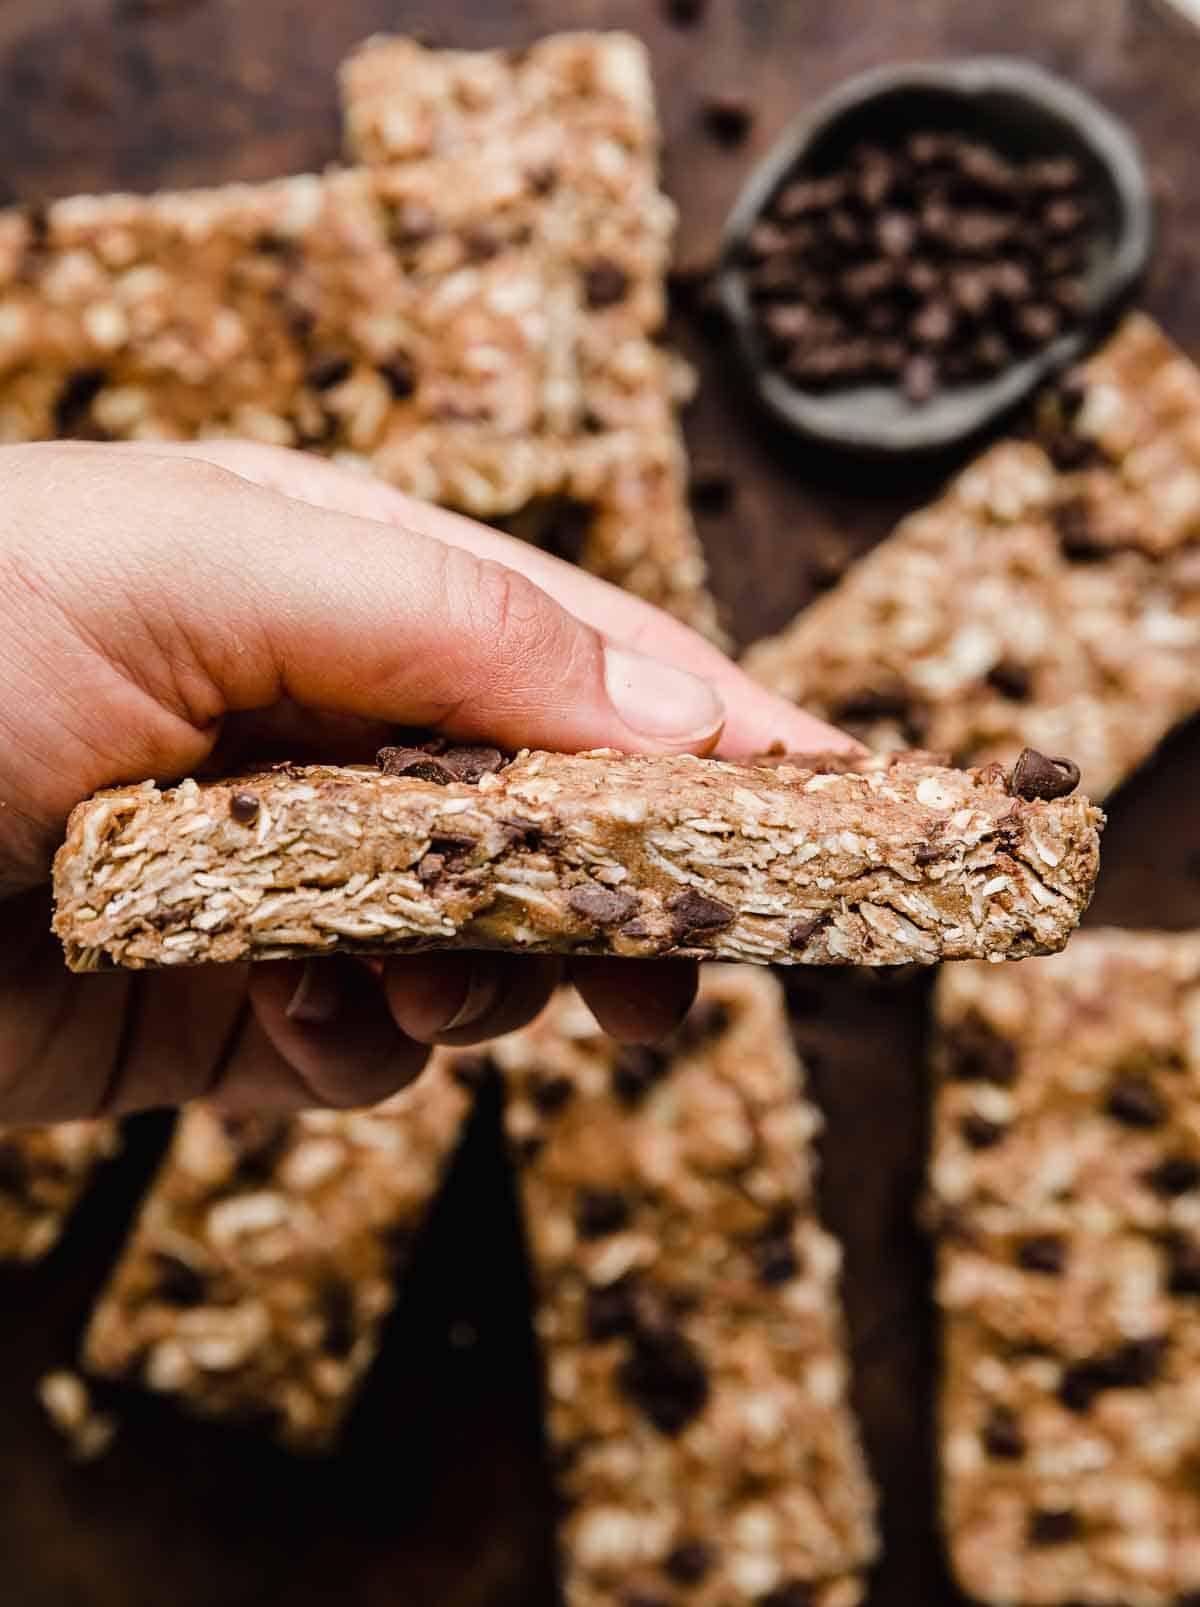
(688,1313)
(1065,1189)
(871,862)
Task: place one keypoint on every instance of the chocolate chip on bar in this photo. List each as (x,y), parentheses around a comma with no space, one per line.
(789,861)
(44,1172)
(687,1309)
(1069,1271)
(263,1264)
(1047,600)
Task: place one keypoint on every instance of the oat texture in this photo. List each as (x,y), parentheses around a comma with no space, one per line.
(1050,598)
(688,1313)
(265,1257)
(1065,1191)
(598,853)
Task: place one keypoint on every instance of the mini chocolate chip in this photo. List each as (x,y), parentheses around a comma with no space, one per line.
(1035,776)
(685,12)
(602,906)
(336,1302)
(1175,1175)
(471,762)
(895,233)
(401,374)
(482,243)
(178,1282)
(695,912)
(1037,323)
(1131,1366)
(919,380)
(472,1071)
(1183,1264)
(414,764)
(978,1053)
(600,1212)
(258,1142)
(605,283)
(638,1067)
(1002,1435)
(640,1599)
(543,180)
(1135,1102)
(728,118)
(74,400)
(1011,680)
(611,1309)
(243,806)
(323,373)
(794,1593)
(551,1094)
(711,491)
(774,1253)
(1044,1252)
(934,324)
(665,1379)
(1053,1526)
(801,933)
(979,1132)
(525,833)
(928,853)
(706,1020)
(689,1562)
(413,223)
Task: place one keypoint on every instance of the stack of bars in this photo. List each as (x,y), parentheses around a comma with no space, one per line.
(470,314)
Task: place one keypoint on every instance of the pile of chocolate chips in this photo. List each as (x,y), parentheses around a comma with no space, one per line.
(933,264)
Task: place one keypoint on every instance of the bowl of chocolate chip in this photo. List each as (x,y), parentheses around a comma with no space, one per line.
(926,246)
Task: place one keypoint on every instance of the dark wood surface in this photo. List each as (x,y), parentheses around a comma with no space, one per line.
(438,1495)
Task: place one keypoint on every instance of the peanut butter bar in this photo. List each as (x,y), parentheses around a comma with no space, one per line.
(263,1264)
(43,1174)
(1050,598)
(575,111)
(1066,1187)
(397,318)
(815,862)
(688,1311)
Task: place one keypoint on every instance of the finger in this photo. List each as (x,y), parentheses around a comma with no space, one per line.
(497,993)
(636,1001)
(328,1021)
(755,718)
(279,598)
(178,1033)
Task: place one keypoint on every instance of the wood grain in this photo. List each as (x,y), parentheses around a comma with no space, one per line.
(438,1496)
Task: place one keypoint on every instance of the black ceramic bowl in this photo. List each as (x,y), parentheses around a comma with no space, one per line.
(1022,112)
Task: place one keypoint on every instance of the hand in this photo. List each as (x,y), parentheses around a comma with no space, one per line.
(171,607)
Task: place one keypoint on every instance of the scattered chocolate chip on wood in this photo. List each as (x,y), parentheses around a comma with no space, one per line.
(965,257)
(728,118)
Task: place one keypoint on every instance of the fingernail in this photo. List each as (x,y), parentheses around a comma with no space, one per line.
(317,998)
(658,700)
(482,993)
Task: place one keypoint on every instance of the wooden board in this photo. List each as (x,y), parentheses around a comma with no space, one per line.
(438,1496)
